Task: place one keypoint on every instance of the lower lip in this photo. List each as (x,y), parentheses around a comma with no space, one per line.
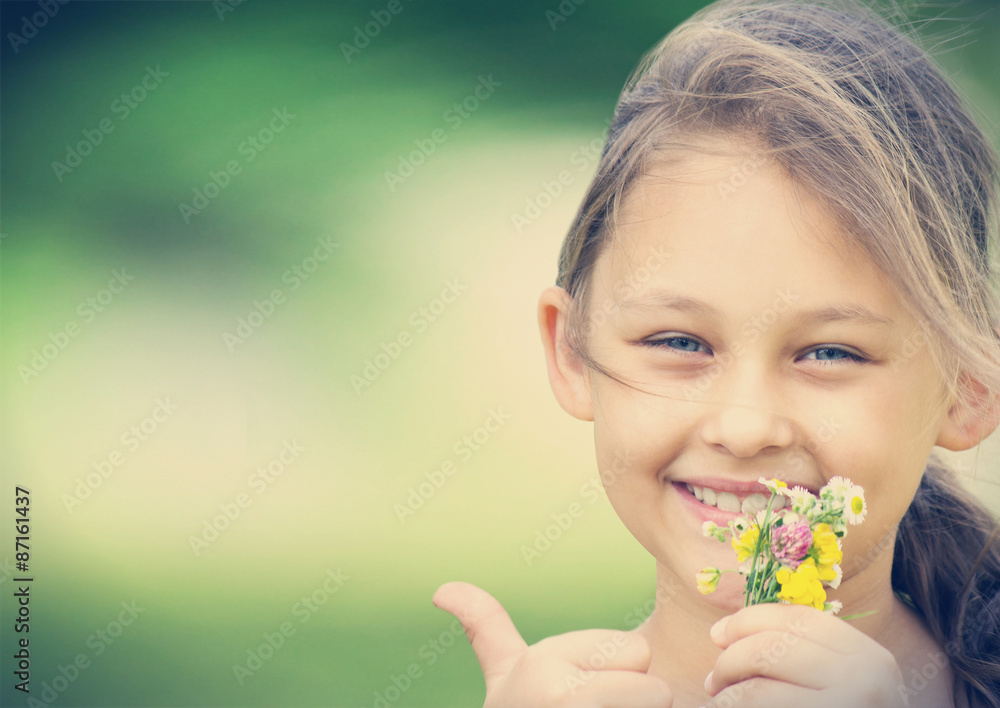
(703,512)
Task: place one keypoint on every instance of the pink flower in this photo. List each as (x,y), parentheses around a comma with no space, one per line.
(790,543)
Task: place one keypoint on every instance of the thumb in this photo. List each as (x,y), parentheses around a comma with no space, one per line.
(489,628)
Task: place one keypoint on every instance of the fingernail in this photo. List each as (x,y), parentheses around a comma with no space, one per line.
(708,682)
(718,630)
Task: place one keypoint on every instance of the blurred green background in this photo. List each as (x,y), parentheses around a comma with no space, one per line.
(145,338)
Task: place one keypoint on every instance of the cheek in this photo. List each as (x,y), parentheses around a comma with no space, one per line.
(882,436)
(638,421)
(906,408)
(635,504)
(890,475)
(631,451)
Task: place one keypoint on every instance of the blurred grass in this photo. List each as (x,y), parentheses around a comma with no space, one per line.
(332,508)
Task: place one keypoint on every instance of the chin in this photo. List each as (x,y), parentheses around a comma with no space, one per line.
(729,595)
(729,605)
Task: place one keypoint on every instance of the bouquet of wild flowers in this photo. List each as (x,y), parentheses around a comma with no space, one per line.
(790,552)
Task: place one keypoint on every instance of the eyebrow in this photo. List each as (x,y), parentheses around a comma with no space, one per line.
(664,299)
(843,313)
(846,312)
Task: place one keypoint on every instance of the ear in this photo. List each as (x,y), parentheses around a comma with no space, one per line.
(972,417)
(568,374)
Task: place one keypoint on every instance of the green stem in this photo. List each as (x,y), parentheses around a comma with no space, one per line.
(858,615)
(763,536)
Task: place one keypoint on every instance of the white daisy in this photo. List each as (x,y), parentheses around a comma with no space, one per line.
(801,500)
(713,530)
(835,583)
(855,507)
(840,486)
(775,485)
(798,493)
(739,525)
(789,518)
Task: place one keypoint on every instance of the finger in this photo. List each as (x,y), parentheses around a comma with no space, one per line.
(823,628)
(491,632)
(601,649)
(621,689)
(775,655)
(765,693)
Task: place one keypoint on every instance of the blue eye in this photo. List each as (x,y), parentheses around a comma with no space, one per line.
(677,343)
(829,355)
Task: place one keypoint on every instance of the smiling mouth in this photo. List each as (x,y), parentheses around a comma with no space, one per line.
(727,501)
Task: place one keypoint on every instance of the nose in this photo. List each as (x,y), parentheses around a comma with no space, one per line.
(744,416)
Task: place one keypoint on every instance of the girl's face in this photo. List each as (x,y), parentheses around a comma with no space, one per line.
(758,344)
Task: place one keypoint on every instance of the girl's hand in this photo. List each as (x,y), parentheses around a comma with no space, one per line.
(792,655)
(596,668)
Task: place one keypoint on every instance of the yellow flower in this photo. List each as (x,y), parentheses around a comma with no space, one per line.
(708,579)
(832,577)
(827,545)
(773,484)
(745,544)
(802,586)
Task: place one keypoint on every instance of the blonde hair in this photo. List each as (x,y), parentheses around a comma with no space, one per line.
(855,112)
(852,110)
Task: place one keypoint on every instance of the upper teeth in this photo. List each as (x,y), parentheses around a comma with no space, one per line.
(727,501)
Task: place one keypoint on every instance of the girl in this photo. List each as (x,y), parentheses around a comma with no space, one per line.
(823,210)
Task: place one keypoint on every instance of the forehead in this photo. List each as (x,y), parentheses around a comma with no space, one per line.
(729,226)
